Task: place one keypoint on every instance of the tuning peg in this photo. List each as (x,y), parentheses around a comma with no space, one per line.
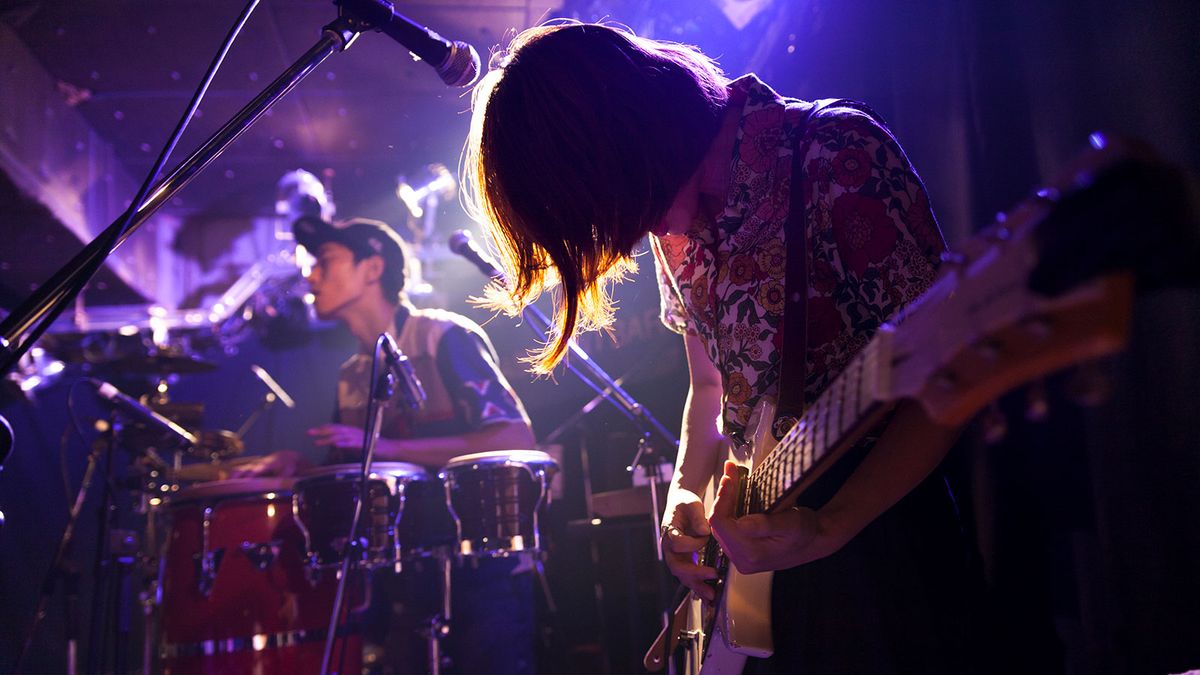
(1037,404)
(993,425)
(1089,385)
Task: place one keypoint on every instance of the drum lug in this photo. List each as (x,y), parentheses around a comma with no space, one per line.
(261,555)
(207,565)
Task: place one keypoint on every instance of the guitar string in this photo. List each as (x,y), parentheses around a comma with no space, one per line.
(814,430)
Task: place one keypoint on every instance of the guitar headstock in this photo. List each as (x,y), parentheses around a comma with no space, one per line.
(981,330)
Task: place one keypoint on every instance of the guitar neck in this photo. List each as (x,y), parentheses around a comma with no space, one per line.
(856,399)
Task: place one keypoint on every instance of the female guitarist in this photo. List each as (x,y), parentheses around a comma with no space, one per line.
(586,139)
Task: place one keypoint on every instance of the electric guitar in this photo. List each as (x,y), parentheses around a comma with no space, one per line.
(976,333)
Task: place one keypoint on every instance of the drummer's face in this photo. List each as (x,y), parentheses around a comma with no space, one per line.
(337,281)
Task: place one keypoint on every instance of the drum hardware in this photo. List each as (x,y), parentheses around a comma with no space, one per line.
(259,612)
(217,445)
(207,560)
(438,628)
(65,569)
(274,393)
(115,554)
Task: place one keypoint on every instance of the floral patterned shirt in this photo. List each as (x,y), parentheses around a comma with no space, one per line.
(873,246)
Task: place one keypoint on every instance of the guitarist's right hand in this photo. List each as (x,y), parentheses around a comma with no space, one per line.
(685,532)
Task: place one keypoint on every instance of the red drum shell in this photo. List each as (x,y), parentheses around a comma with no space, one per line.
(262,614)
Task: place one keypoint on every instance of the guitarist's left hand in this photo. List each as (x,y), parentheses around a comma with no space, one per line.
(762,542)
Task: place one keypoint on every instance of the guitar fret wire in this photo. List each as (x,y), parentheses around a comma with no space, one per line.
(821,426)
(792,473)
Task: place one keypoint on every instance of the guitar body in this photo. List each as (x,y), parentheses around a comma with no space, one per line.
(743,623)
(739,625)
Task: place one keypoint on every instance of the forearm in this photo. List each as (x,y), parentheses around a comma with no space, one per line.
(701,442)
(910,448)
(437,451)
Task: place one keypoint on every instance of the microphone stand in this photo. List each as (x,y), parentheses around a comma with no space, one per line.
(33,316)
(599,381)
(383,386)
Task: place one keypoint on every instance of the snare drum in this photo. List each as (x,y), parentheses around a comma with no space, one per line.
(237,596)
(495,498)
(405,515)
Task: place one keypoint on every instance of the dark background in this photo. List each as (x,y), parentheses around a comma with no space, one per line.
(988,98)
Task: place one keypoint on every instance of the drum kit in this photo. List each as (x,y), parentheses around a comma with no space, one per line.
(243,574)
(250,565)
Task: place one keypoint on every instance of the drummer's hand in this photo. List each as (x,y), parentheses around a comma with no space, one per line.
(280,463)
(685,532)
(338,436)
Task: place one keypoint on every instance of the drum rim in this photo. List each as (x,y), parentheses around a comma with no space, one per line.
(529,457)
(380,469)
(231,488)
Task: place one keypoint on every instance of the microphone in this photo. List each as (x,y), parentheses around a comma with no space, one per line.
(463,244)
(413,392)
(457,63)
(273,386)
(135,410)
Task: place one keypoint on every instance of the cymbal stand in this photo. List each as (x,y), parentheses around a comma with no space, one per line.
(263,406)
(439,624)
(65,569)
(103,563)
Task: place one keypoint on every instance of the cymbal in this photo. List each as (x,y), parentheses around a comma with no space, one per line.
(217,444)
(161,363)
(199,473)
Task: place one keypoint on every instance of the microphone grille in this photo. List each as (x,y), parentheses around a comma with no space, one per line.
(461,67)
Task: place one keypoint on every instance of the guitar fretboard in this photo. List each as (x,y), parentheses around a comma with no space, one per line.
(858,390)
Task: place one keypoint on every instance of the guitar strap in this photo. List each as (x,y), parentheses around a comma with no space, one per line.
(794,346)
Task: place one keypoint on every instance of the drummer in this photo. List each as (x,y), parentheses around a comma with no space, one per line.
(359,279)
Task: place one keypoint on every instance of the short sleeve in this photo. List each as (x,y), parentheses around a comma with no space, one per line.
(472,376)
(882,242)
(670,311)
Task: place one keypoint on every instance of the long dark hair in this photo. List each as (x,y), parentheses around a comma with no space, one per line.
(581,136)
